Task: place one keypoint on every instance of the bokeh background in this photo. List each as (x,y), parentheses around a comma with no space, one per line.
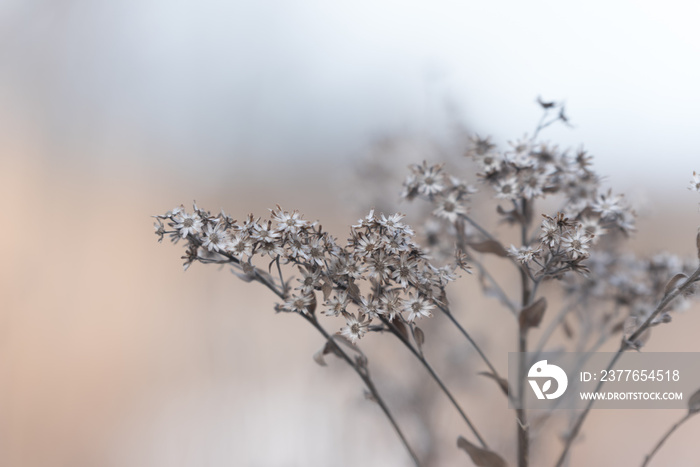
(112,111)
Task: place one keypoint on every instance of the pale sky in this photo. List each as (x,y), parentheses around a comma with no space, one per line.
(269,80)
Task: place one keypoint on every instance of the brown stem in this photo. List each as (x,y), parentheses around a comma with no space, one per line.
(437,379)
(523,430)
(665,437)
(625,345)
(521,413)
(469,338)
(364,375)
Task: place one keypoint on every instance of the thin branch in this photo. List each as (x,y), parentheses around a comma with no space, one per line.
(502,296)
(626,344)
(437,379)
(462,245)
(469,338)
(478,227)
(528,295)
(486,234)
(663,439)
(364,375)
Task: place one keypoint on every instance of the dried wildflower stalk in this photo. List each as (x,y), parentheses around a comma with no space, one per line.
(382,280)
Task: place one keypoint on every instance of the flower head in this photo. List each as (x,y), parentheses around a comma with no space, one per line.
(215,238)
(418,307)
(355,328)
(576,243)
(187,224)
(449,207)
(299,303)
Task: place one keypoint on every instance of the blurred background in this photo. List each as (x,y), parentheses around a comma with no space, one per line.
(112,111)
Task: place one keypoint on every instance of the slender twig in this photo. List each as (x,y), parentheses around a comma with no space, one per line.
(364,375)
(502,296)
(437,379)
(540,125)
(626,344)
(486,234)
(279,271)
(478,227)
(663,439)
(392,328)
(523,430)
(466,335)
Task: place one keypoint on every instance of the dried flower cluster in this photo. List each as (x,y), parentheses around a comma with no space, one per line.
(518,177)
(380,272)
(382,280)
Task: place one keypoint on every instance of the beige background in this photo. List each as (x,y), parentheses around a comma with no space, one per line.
(111,112)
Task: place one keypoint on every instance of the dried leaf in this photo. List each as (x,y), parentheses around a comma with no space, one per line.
(489,246)
(567,329)
(419,336)
(313,304)
(318,357)
(674,282)
(248,268)
(618,327)
(327,289)
(697,243)
(640,341)
(502,383)
(531,316)
(327,348)
(243,277)
(480,456)
(354,291)
(694,402)
(545,105)
(442,298)
(401,328)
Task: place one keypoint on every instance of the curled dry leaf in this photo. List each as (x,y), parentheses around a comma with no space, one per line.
(318,357)
(697,243)
(675,282)
(248,268)
(354,291)
(480,456)
(531,315)
(326,288)
(502,382)
(694,402)
(618,327)
(489,246)
(313,304)
(243,277)
(630,327)
(401,328)
(327,348)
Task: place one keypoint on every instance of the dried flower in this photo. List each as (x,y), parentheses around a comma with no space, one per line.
(355,328)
